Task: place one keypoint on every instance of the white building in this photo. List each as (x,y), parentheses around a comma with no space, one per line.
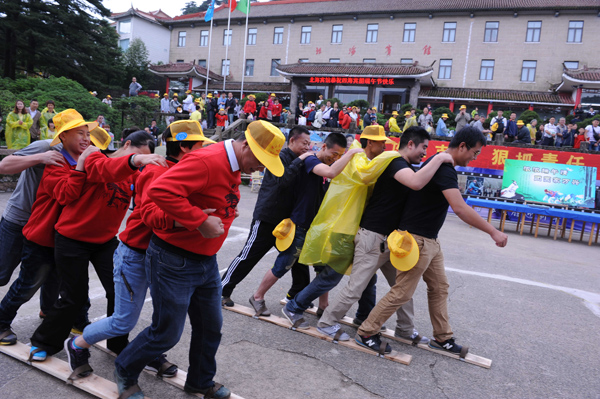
(146,26)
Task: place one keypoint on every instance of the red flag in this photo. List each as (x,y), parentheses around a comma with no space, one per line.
(232,5)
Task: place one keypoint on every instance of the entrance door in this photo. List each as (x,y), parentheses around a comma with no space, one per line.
(389,102)
(311,96)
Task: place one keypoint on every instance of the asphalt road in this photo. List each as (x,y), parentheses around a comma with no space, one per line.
(532,307)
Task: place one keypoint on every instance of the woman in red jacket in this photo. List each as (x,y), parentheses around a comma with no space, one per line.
(85,232)
(250,106)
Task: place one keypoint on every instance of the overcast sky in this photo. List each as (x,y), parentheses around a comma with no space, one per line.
(171,7)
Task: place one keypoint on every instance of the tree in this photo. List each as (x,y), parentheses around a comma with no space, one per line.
(136,59)
(68,38)
(191,8)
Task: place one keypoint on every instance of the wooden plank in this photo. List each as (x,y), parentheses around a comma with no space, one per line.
(312,331)
(571,231)
(470,358)
(502,221)
(582,231)
(93,384)
(592,233)
(177,381)
(489,219)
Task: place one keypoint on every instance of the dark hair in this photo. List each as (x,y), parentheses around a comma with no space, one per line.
(335,138)
(469,135)
(51,120)
(50,102)
(174,147)
(33,101)
(416,134)
(363,143)
(297,131)
(126,132)
(141,138)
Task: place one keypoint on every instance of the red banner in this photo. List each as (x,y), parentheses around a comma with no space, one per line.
(494,156)
(351,80)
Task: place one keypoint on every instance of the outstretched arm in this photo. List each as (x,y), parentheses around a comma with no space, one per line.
(332,171)
(418,180)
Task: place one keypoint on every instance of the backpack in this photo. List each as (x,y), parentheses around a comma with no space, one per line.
(386,127)
(500,122)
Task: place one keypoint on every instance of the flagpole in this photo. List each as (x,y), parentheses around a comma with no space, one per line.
(208,60)
(227,46)
(244,60)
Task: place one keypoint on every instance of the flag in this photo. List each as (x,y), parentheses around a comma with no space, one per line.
(232,5)
(209,13)
(243,6)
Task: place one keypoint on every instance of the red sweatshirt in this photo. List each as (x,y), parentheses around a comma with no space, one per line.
(146,214)
(263,112)
(277,109)
(250,107)
(221,119)
(96,215)
(201,180)
(345,120)
(60,185)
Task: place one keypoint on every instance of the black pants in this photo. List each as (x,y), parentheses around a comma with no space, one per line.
(72,261)
(260,241)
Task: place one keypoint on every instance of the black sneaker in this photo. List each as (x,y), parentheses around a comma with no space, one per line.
(449,346)
(217,391)
(7,336)
(373,342)
(227,301)
(357,322)
(77,358)
(169,370)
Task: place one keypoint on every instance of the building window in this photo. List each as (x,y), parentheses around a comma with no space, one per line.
(301,60)
(406,60)
(491,32)
(369,60)
(203,38)
(227,37)
(124,44)
(334,60)
(534,30)
(410,29)
(305,36)
(487,70)
(179,61)
(372,30)
(252,32)
(225,67)
(274,64)
(528,71)
(336,33)
(445,69)
(202,63)
(249,68)
(278,35)
(571,64)
(449,32)
(575,32)
(181,39)
(125,26)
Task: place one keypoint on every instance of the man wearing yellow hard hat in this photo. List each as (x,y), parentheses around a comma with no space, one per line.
(380,218)
(308,193)
(462,118)
(200,194)
(423,216)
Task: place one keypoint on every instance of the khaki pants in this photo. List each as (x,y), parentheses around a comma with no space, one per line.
(368,258)
(431,267)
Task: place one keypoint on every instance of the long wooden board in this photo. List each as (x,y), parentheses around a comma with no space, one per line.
(95,385)
(470,358)
(280,321)
(177,381)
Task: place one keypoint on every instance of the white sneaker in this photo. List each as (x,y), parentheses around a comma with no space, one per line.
(415,333)
(330,331)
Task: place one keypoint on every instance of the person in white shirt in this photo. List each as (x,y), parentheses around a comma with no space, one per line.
(591,133)
(549,132)
(319,117)
(108,100)
(188,103)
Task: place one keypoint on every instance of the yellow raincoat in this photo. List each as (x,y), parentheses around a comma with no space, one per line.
(18,136)
(393,124)
(330,239)
(46,116)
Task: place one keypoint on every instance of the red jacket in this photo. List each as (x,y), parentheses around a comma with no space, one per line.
(250,107)
(277,109)
(146,214)
(60,185)
(201,180)
(95,217)
(221,119)
(344,120)
(263,112)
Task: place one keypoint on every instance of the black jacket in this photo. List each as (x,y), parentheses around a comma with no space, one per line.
(524,135)
(275,198)
(230,104)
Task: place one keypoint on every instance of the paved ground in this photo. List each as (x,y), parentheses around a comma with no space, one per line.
(532,307)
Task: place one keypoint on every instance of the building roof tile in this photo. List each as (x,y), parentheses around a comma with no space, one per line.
(340,69)
(182,68)
(510,96)
(587,74)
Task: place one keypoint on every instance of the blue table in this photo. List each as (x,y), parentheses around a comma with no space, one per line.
(538,211)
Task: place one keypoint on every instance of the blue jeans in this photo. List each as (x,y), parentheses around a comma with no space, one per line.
(286,259)
(325,280)
(179,286)
(129,275)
